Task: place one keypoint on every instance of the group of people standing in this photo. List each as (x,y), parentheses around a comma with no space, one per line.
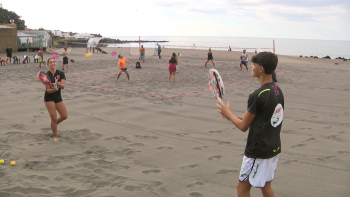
(173,61)
(263,117)
(243,61)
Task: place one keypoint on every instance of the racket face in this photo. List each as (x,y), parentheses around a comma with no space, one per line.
(43,78)
(216,85)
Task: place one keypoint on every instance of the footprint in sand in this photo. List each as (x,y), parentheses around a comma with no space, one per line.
(311,139)
(148,137)
(290,161)
(182,134)
(160,148)
(298,145)
(118,138)
(215,157)
(325,158)
(215,131)
(196,194)
(189,167)
(18,126)
(151,171)
(227,172)
(195,184)
(136,144)
(201,148)
(224,143)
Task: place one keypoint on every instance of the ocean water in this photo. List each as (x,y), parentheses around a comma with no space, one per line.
(304,47)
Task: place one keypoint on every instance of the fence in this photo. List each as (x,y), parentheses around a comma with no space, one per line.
(8,36)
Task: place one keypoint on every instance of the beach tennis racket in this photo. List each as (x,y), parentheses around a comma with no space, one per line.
(44,79)
(216,85)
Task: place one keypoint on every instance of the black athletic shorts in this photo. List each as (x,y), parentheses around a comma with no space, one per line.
(55,99)
(65,60)
(159,52)
(244,63)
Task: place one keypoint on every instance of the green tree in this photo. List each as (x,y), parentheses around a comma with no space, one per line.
(6,16)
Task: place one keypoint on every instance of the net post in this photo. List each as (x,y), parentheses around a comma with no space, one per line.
(274,46)
(140,50)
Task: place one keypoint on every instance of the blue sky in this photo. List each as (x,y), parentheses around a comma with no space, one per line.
(300,19)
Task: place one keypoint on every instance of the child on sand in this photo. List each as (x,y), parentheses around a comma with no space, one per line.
(122,66)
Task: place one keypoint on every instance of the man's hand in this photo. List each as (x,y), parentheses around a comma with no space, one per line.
(223,109)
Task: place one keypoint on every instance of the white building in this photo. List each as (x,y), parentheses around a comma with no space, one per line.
(61,33)
(84,35)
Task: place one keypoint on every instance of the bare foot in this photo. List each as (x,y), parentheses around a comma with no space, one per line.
(55,139)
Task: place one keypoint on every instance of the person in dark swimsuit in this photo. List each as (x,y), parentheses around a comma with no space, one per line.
(53,100)
(210,57)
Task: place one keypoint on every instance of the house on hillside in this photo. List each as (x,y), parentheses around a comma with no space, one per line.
(84,35)
(62,34)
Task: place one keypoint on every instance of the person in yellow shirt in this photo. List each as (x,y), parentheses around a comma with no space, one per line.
(122,66)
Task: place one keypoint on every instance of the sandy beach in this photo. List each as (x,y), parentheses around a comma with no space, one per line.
(153,138)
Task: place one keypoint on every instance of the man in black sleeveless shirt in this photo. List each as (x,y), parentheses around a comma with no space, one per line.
(263,117)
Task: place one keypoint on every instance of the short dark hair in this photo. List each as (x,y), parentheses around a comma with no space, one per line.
(267,60)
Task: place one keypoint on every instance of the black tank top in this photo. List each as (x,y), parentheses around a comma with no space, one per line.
(172,60)
(210,56)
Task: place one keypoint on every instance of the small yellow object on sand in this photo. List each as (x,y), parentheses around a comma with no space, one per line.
(13,163)
(88,55)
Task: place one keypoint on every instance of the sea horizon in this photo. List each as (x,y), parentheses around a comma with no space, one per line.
(283,46)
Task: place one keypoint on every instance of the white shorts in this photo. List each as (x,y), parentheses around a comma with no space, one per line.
(258,171)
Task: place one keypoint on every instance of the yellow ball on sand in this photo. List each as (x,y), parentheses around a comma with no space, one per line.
(88,55)
(1,161)
(13,163)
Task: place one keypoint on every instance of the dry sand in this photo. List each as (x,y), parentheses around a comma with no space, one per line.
(148,137)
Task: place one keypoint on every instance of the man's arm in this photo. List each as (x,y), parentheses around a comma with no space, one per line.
(242,123)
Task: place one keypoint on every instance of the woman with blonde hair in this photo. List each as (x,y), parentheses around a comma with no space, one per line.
(172,66)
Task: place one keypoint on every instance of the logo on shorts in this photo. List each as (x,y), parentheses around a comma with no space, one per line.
(277,116)
(256,170)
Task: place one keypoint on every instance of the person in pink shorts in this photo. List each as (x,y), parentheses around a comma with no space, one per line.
(172,66)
